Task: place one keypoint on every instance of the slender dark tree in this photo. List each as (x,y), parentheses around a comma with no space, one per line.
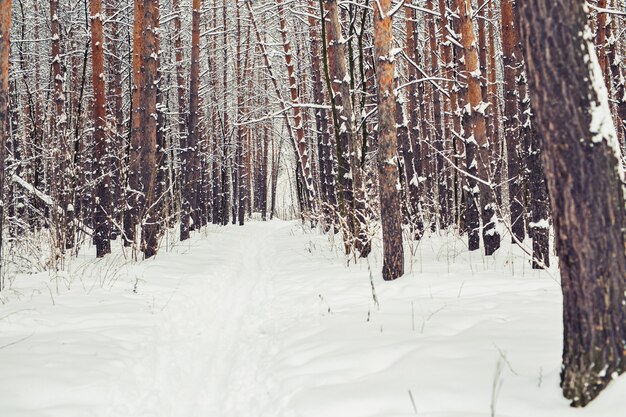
(189,213)
(512,127)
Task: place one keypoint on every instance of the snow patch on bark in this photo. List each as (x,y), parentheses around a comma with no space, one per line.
(601,126)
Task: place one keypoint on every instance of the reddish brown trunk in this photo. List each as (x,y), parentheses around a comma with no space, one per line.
(5,51)
(102,204)
(393,253)
(491,237)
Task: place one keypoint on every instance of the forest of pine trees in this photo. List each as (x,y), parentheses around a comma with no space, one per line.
(487,119)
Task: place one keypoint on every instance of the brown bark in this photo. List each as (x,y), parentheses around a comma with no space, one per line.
(494,109)
(143,163)
(475,108)
(582,164)
(512,61)
(103,203)
(150,229)
(472,193)
(5,52)
(393,253)
(132,218)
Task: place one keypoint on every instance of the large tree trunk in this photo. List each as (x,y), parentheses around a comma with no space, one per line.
(585,180)
(393,253)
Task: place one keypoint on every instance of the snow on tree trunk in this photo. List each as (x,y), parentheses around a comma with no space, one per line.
(586,184)
(393,253)
(475,107)
(102,202)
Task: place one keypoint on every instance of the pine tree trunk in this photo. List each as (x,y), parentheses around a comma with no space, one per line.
(302,149)
(101,158)
(5,52)
(494,110)
(189,210)
(393,252)
(327,181)
(59,125)
(348,146)
(585,180)
(115,97)
(132,218)
(411,153)
(512,132)
(476,108)
(149,167)
(437,138)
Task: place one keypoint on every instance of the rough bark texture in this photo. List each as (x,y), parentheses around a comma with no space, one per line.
(497,161)
(393,253)
(475,107)
(512,134)
(60,171)
(302,148)
(150,80)
(348,146)
(411,153)
(102,204)
(472,193)
(325,154)
(581,160)
(437,138)
(131,219)
(189,214)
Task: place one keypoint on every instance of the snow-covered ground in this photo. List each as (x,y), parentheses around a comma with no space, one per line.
(267,320)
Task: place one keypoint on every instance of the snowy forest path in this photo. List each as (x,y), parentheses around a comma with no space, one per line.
(267,320)
(223,345)
(185,334)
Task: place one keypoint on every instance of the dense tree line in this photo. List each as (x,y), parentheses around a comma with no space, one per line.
(121,121)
